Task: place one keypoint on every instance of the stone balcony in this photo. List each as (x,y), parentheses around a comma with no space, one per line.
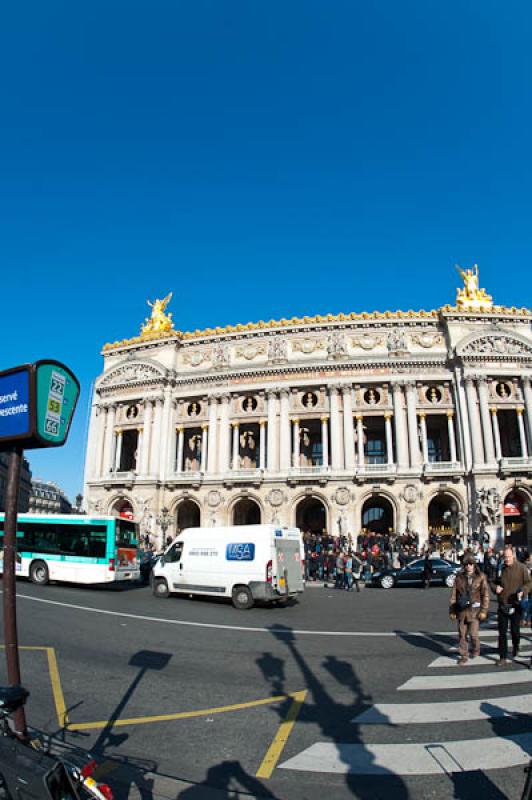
(516,464)
(443,468)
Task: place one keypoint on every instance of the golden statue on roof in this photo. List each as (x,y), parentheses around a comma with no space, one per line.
(470,297)
(159,322)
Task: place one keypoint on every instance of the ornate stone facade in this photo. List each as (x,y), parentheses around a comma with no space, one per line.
(420,413)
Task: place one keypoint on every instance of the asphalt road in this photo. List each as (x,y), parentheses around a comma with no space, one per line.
(123,655)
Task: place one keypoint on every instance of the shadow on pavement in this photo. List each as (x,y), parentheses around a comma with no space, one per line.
(334,718)
(223,777)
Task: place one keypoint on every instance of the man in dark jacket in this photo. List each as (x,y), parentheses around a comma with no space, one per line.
(469,604)
(427,570)
(514,582)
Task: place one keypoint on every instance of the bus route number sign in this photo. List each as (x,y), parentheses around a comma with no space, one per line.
(40,400)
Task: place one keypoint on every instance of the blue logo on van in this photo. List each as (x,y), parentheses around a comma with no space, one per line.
(243,551)
(278,532)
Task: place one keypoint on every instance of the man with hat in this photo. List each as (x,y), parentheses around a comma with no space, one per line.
(469,605)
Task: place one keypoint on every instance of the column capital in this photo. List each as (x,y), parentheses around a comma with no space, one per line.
(449,413)
(324,418)
(332,388)
(271,393)
(482,380)
(262,423)
(527,379)
(180,428)
(359,417)
(295,420)
(397,386)
(346,387)
(469,380)
(410,384)
(422,414)
(140,430)
(118,431)
(235,423)
(520,410)
(493,411)
(388,415)
(204,426)
(284,392)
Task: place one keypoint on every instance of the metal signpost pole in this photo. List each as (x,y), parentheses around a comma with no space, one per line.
(9,584)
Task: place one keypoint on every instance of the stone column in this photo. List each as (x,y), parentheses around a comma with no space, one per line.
(99,440)
(424,443)
(171,446)
(360,440)
(262,444)
(211,447)
(236,445)
(336,438)
(167,433)
(118,449)
(485,418)
(225,436)
(325,441)
(389,439)
(109,439)
(272,439)
(180,448)
(140,434)
(145,453)
(496,433)
(400,426)
(155,445)
(527,394)
(204,435)
(474,422)
(522,434)
(452,438)
(349,438)
(295,432)
(284,449)
(413,440)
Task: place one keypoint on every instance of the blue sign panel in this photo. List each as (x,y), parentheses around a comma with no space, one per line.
(14,404)
(241,551)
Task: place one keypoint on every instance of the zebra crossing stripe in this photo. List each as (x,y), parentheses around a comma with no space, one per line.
(479,661)
(466,681)
(461,711)
(424,758)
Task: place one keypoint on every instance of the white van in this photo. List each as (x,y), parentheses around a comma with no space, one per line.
(243,562)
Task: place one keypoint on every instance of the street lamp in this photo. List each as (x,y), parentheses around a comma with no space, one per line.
(164,520)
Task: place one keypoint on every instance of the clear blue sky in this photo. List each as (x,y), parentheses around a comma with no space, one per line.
(259,159)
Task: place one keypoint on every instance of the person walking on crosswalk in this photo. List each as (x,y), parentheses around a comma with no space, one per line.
(514,582)
(469,604)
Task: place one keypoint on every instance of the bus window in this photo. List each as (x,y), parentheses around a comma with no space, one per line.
(126,533)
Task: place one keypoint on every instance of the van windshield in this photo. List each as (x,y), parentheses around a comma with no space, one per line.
(174,553)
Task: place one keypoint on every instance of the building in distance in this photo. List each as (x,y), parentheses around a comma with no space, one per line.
(48,498)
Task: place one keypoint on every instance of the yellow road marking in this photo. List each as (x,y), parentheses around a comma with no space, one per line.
(59,698)
(204,712)
(281,737)
(57,691)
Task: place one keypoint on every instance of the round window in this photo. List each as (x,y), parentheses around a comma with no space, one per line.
(193,409)
(309,400)
(249,404)
(434,395)
(504,390)
(372,397)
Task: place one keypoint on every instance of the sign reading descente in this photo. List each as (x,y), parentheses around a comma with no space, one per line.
(37,403)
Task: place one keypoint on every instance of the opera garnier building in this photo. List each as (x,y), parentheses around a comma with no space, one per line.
(382,422)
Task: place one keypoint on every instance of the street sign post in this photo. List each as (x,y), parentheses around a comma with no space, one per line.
(37,403)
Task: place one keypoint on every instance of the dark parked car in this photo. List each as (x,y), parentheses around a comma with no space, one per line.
(443,572)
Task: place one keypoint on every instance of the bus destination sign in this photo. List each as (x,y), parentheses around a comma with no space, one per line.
(37,403)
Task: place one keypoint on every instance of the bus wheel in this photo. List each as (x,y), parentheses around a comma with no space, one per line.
(160,588)
(39,573)
(242,598)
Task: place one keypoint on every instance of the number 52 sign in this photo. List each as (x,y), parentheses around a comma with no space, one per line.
(37,403)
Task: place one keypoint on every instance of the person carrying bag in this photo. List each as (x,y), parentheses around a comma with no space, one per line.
(469,605)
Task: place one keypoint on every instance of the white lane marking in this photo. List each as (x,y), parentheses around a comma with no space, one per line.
(479,661)
(425,758)
(278,631)
(470,681)
(424,713)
